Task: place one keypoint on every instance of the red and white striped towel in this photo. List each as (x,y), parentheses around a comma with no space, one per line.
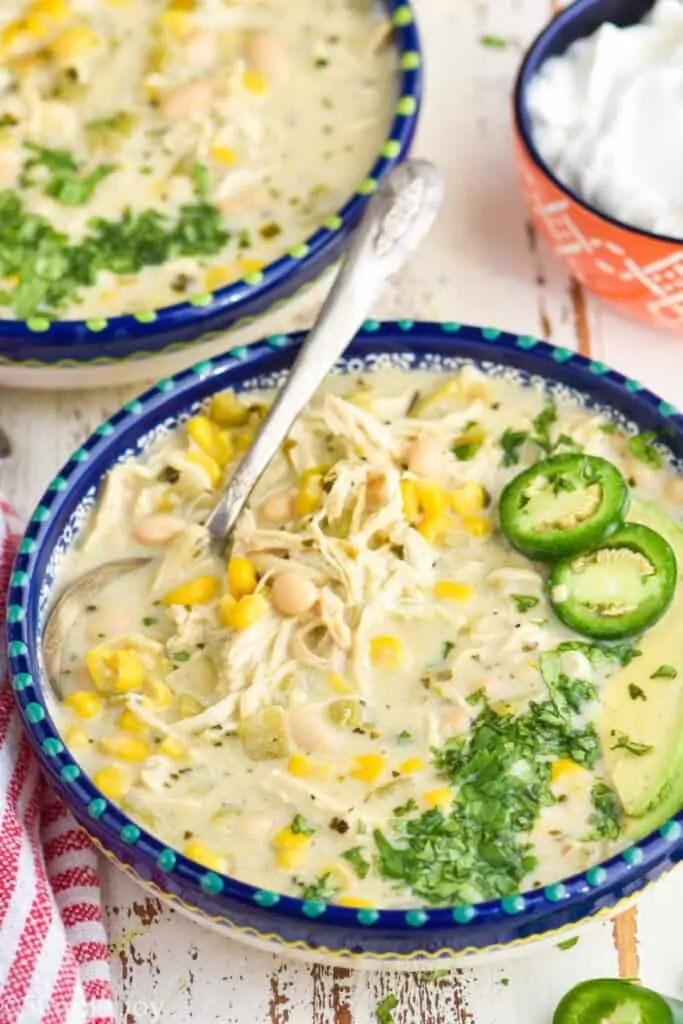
(54,963)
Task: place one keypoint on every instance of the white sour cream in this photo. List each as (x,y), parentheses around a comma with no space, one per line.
(607,117)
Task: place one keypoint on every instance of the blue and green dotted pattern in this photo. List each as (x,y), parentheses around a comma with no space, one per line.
(144,325)
(182,390)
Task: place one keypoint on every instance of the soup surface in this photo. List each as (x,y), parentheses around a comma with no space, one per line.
(372,701)
(154,150)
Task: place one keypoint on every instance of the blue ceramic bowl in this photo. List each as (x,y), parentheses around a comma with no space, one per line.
(39,344)
(404,939)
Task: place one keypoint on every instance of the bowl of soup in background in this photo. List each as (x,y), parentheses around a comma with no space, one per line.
(636,271)
(103,348)
(416,936)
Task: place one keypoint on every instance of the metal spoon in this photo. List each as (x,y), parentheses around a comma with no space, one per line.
(397,218)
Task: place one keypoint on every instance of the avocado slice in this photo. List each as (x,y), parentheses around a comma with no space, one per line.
(649,786)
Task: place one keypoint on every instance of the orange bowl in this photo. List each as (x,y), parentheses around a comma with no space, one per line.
(637,272)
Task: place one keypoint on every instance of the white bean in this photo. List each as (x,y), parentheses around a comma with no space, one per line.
(424,457)
(676,490)
(278,508)
(156,530)
(266,54)
(310,732)
(293,594)
(190,101)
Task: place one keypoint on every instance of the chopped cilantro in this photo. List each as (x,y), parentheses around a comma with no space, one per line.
(494,42)
(511,441)
(524,602)
(404,736)
(66,181)
(321,62)
(406,808)
(499,773)
(606,815)
(180,656)
(446,649)
(384,1010)
(301,827)
(322,890)
(643,447)
(149,620)
(568,943)
(202,181)
(355,857)
(466,447)
(624,742)
(635,692)
(664,672)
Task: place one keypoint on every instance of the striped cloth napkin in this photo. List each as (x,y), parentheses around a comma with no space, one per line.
(54,962)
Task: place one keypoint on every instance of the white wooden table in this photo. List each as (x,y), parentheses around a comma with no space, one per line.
(482,265)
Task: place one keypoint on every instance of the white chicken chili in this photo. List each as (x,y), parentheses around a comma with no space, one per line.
(372,700)
(156,149)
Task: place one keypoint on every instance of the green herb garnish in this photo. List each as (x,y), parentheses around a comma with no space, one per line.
(568,943)
(180,656)
(524,602)
(635,692)
(66,181)
(384,1010)
(323,890)
(624,742)
(355,857)
(301,827)
(446,649)
(494,42)
(149,620)
(664,672)
(606,815)
(643,447)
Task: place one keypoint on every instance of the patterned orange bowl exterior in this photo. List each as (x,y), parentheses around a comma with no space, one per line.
(638,273)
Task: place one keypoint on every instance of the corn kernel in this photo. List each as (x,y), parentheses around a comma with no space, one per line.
(285,839)
(386,651)
(118,671)
(227,411)
(241,577)
(438,799)
(112,781)
(243,613)
(75,738)
(243,439)
(450,590)
(160,695)
(303,768)
(288,860)
(224,154)
(181,5)
(171,747)
(367,767)
(51,10)
(478,526)
(218,277)
(209,465)
(564,766)
(254,82)
(77,41)
(339,685)
(358,902)
(200,590)
(432,498)
(126,748)
(307,502)
(250,266)
(203,855)
(468,499)
(412,765)
(131,722)
(210,439)
(411,506)
(84,703)
(433,528)
(176,23)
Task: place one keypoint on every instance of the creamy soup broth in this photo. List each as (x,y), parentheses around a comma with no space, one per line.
(295,715)
(165,149)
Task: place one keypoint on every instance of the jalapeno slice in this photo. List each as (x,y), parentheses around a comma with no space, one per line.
(617,588)
(562,505)
(608,1001)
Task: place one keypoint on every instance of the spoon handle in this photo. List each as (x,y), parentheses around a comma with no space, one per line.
(397,217)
